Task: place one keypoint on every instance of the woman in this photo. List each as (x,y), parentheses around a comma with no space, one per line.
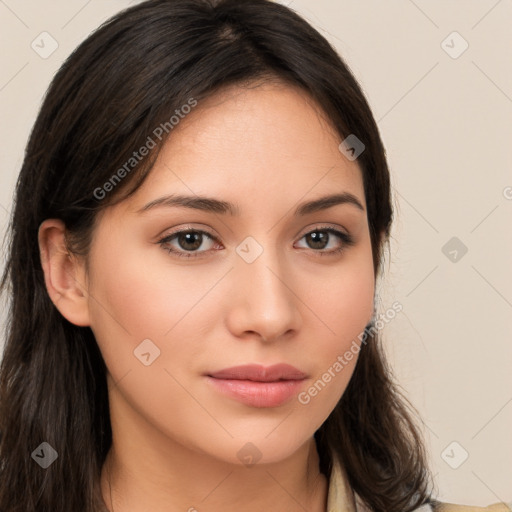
(197,167)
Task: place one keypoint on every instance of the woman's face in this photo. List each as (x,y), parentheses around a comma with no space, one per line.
(260,282)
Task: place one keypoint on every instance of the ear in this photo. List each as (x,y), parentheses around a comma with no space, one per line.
(64,273)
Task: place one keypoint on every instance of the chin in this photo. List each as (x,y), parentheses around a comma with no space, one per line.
(250,450)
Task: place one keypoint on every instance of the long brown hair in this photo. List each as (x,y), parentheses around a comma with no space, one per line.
(122,82)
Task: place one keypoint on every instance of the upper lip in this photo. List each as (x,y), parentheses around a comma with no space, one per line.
(260,373)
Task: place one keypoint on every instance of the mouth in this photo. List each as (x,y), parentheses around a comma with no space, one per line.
(257,385)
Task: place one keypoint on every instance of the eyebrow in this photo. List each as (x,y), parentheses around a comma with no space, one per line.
(210,204)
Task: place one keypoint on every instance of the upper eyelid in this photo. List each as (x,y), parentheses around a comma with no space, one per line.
(324,227)
(188,229)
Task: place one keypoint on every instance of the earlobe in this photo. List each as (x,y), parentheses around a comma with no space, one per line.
(64,274)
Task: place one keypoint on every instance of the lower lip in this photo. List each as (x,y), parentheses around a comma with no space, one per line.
(258,394)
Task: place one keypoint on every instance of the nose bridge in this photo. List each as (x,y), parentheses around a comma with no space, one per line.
(265,303)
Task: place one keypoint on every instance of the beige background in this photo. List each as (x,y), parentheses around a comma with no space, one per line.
(447,126)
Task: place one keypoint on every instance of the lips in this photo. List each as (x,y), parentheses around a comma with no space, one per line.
(258,386)
(258,373)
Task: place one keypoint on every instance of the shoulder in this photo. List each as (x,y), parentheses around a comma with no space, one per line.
(450,507)
(341,498)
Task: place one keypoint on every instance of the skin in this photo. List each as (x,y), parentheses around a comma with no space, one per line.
(175,438)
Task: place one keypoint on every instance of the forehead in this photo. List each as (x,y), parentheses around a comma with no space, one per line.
(258,145)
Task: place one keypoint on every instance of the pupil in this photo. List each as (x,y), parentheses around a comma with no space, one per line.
(318,239)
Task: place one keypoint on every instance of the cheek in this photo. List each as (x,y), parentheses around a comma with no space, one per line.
(342,298)
(137,296)
(343,306)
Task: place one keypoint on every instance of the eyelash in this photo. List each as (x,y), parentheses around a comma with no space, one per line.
(347,239)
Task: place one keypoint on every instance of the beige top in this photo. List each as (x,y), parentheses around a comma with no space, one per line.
(341,498)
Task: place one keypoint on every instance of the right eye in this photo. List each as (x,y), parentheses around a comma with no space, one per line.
(186,241)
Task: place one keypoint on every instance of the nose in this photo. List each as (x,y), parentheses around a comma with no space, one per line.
(262,300)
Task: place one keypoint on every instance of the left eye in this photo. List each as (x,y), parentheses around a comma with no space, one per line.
(321,239)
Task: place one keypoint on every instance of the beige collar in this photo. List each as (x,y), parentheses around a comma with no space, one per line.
(340,497)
